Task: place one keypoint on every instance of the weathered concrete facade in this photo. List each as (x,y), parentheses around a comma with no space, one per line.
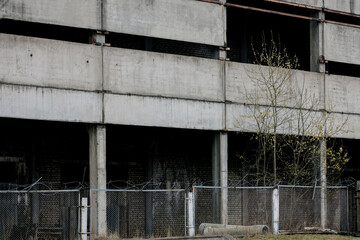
(123,81)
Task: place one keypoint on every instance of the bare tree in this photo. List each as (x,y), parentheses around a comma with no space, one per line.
(289,120)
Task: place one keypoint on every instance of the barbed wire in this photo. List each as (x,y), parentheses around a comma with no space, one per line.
(151,184)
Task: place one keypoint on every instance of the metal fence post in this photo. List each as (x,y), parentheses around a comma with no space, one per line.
(84,218)
(275,211)
(191,214)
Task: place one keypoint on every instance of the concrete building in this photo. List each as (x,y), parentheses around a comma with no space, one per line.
(153,90)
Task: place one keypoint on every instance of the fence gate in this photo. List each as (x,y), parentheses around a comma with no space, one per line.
(39,214)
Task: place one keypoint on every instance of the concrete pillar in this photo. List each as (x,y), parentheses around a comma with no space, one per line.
(84,218)
(191,214)
(275,211)
(317,63)
(323,180)
(220,177)
(216,177)
(97,154)
(224,177)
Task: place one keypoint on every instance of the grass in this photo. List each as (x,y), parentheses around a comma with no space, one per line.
(301,237)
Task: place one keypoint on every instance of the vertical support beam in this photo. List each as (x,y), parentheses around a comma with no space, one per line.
(84,218)
(191,214)
(317,44)
(275,211)
(216,177)
(323,180)
(97,147)
(224,177)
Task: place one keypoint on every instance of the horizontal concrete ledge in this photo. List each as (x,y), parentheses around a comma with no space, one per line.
(50,104)
(163,112)
(312,3)
(342,94)
(348,6)
(183,20)
(243,86)
(72,13)
(157,74)
(239,118)
(342,43)
(50,63)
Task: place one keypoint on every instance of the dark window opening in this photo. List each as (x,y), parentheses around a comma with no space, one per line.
(246,28)
(342,18)
(48,31)
(345,69)
(162,45)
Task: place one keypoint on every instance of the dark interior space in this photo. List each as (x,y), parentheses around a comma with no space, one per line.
(48,31)
(352,169)
(162,45)
(246,29)
(52,151)
(345,69)
(343,18)
(241,153)
(157,157)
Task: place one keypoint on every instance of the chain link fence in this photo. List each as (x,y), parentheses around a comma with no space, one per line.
(143,213)
(42,214)
(246,205)
(300,207)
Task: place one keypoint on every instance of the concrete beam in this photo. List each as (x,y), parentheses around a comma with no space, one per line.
(241,86)
(342,94)
(49,104)
(97,154)
(342,44)
(163,112)
(79,13)
(313,3)
(157,74)
(49,63)
(189,20)
(348,6)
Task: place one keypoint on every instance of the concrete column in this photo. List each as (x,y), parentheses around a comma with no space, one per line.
(84,218)
(317,63)
(224,177)
(216,177)
(97,154)
(275,211)
(220,176)
(323,180)
(191,214)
